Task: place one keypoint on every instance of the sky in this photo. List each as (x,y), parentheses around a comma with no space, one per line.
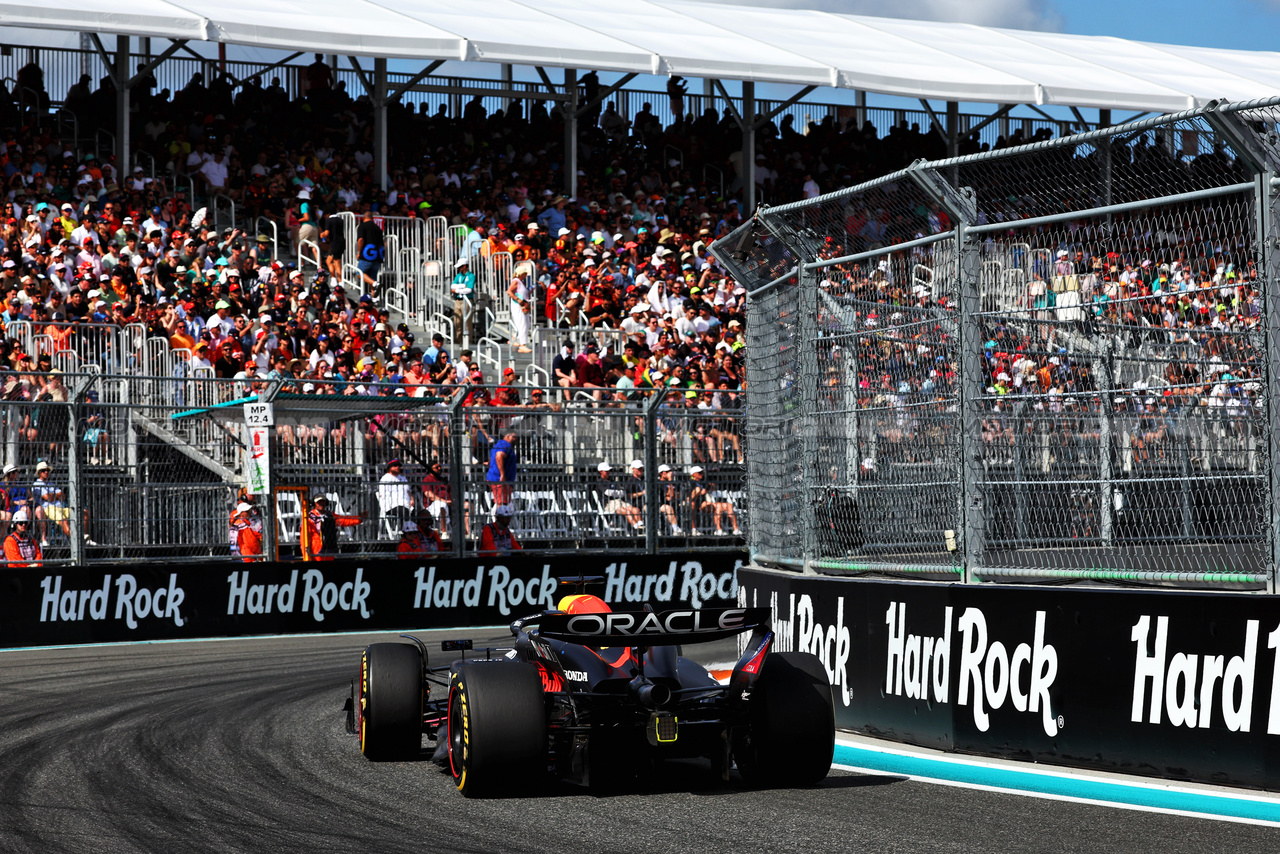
(1243,24)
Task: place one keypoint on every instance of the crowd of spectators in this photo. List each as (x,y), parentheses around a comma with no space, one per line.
(1172,318)
(85,243)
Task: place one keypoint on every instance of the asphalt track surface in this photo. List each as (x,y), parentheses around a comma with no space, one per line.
(240,746)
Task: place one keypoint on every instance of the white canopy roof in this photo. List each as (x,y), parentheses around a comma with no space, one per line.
(954,62)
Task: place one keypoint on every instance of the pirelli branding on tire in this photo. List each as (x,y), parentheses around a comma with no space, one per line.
(63,605)
(1176,684)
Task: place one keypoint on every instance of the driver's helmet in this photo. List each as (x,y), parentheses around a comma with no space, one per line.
(584,603)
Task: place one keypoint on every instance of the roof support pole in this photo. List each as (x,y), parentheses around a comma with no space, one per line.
(380,122)
(571,133)
(122,81)
(953,129)
(749,147)
(507,80)
(1104,152)
(860,107)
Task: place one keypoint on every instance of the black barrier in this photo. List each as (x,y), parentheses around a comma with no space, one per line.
(1169,684)
(155,602)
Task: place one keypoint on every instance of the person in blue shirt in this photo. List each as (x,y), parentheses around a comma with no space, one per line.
(436,348)
(552,219)
(503,466)
(16,495)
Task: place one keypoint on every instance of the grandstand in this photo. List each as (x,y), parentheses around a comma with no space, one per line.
(185,231)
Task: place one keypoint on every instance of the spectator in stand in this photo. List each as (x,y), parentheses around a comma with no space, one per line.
(611,497)
(49,504)
(589,372)
(370,249)
(497,539)
(20,548)
(16,495)
(395,499)
(436,496)
(463,288)
(518,292)
(503,467)
(564,370)
(705,499)
(668,497)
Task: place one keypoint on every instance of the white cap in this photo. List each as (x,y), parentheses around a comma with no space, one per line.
(695,469)
(562,232)
(604,467)
(10,469)
(663,467)
(42,466)
(504,510)
(243,507)
(637,464)
(461,262)
(22,515)
(409,526)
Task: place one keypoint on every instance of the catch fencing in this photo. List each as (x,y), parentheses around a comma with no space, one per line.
(1047,362)
(128,480)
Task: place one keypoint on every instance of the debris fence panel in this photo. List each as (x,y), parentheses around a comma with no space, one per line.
(1046,362)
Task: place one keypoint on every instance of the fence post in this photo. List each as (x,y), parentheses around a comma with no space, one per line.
(961,204)
(1267,201)
(1262,157)
(457,464)
(651,488)
(810,453)
(1104,376)
(74,498)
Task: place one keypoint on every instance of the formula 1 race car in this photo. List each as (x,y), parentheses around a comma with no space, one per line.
(599,698)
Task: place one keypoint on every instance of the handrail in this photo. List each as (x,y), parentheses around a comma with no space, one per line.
(666,149)
(275,234)
(395,300)
(531,372)
(97,142)
(440,321)
(304,258)
(719,172)
(60,116)
(139,154)
(217,208)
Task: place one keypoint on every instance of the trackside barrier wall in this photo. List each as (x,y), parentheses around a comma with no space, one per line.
(71,605)
(1168,684)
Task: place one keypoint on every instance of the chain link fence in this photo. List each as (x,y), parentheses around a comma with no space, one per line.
(1048,362)
(113,467)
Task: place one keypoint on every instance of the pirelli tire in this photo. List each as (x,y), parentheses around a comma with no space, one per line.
(390,705)
(497,727)
(790,728)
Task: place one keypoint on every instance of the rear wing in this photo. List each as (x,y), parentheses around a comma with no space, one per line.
(649,628)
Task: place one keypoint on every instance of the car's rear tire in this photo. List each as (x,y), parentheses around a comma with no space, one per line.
(390,702)
(790,732)
(497,727)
